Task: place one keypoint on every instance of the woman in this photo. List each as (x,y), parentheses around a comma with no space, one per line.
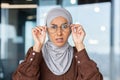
(56,59)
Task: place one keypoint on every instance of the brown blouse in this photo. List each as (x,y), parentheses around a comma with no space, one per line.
(35,68)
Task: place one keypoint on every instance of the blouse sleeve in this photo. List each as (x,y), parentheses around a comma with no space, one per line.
(87,69)
(29,68)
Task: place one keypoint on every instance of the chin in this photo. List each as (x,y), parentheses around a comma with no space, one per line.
(59,44)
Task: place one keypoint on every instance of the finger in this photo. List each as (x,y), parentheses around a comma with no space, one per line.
(72,25)
(40,29)
(34,30)
(79,29)
(43,29)
(77,25)
(73,29)
(82,28)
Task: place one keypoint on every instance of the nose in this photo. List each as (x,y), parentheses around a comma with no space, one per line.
(59,31)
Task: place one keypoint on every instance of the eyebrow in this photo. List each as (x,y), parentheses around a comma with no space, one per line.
(56,24)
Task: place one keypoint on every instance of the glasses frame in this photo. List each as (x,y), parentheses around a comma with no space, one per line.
(68,28)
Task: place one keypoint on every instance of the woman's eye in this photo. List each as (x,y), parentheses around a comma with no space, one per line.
(64,26)
(53,26)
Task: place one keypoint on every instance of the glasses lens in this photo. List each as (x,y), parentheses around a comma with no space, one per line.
(52,28)
(65,27)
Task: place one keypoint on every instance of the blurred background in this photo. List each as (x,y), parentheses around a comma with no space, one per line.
(100,19)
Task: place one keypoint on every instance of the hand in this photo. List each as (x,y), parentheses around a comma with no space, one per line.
(39,35)
(78,35)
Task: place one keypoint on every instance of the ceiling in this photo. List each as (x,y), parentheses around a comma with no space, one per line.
(57,2)
(20,1)
(91,1)
(33,11)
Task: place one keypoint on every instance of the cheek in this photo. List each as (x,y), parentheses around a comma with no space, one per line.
(66,36)
(51,37)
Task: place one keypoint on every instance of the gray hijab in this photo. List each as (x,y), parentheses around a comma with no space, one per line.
(56,12)
(57,59)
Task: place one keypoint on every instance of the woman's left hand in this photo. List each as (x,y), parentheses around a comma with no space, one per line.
(78,35)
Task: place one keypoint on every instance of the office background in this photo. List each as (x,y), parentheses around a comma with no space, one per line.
(100,19)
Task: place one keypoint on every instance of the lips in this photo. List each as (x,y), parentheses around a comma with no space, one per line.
(59,40)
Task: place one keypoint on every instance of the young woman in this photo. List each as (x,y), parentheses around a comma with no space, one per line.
(56,59)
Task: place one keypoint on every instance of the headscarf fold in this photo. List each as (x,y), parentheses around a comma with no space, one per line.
(58,59)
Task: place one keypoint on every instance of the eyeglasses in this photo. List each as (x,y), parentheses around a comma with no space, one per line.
(53,28)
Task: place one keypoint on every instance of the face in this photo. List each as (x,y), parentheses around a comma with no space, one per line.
(59,31)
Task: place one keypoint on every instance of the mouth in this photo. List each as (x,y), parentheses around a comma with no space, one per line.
(59,40)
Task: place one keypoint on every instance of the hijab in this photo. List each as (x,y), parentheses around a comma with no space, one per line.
(57,59)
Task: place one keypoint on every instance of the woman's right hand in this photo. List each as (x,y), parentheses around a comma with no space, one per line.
(39,35)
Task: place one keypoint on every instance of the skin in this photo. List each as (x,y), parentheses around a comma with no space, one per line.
(59,34)
(39,35)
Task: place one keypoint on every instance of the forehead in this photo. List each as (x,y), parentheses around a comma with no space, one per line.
(59,20)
